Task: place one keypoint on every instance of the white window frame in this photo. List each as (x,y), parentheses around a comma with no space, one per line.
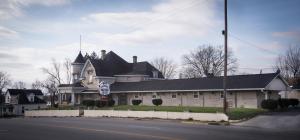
(7,99)
(196,93)
(154,95)
(136,96)
(173,94)
(221,95)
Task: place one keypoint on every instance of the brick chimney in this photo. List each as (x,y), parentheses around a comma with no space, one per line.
(134,59)
(103,53)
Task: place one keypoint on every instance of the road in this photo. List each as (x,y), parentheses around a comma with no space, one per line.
(81,128)
(288,120)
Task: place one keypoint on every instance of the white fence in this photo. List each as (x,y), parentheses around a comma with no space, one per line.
(157,114)
(52,113)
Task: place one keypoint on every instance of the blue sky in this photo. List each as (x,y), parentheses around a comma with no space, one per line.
(32,32)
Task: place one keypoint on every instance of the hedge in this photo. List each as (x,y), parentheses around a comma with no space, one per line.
(157,102)
(136,102)
(269,104)
(293,102)
(88,102)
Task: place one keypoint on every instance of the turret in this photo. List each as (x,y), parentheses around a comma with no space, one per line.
(77,66)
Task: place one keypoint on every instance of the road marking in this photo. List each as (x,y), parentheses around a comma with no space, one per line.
(109,131)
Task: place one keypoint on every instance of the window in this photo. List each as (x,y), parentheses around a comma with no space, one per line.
(64,97)
(75,76)
(173,96)
(196,95)
(90,79)
(155,74)
(154,95)
(222,95)
(136,96)
(7,100)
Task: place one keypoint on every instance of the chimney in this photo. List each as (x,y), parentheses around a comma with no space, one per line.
(103,52)
(134,59)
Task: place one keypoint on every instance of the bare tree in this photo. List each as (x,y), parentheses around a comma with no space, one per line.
(166,66)
(67,68)
(19,85)
(207,61)
(4,81)
(37,85)
(289,63)
(54,72)
(94,55)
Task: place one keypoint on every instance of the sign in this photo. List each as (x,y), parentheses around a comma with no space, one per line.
(104,88)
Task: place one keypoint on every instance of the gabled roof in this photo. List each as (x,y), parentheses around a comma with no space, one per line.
(79,58)
(243,82)
(113,64)
(23,93)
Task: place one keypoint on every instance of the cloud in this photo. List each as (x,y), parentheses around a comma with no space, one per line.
(6,32)
(7,56)
(168,20)
(13,8)
(288,34)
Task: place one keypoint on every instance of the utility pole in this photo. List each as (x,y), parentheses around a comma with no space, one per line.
(225,33)
(80,43)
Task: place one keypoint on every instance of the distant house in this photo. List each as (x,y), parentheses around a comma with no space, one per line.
(140,80)
(295,92)
(19,100)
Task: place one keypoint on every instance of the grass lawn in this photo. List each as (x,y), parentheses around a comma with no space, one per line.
(233,113)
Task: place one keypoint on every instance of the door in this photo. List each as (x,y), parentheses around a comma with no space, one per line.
(122,99)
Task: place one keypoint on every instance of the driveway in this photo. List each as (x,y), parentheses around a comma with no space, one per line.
(289,120)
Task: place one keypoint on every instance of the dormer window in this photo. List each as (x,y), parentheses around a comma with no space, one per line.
(7,99)
(31,98)
(155,74)
(90,76)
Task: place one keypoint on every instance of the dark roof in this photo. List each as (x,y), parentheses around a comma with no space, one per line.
(22,95)
(113,64)
(206,83)
(25,91)
(78,84)
(79,58)
(144,68)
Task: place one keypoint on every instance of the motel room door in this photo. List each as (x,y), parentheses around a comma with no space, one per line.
(122,99)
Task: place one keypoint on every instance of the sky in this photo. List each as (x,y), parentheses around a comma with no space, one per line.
(33,32)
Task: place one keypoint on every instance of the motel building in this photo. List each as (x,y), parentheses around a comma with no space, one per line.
(140,80)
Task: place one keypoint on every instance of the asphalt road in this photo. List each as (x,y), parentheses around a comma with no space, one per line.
(288,120)
(129,129)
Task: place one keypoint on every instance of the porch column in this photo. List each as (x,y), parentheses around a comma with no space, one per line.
(266,95)
(73,98)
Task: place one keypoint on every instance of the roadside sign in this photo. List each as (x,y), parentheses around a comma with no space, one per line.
(104,88)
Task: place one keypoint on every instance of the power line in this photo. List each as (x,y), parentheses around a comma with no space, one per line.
(252,44)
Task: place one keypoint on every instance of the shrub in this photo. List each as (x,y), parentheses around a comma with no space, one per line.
(136,102)
(157,102)
(111,102)
(293,102)
(88,102)
(269,104)
(99,103)
(283,103)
